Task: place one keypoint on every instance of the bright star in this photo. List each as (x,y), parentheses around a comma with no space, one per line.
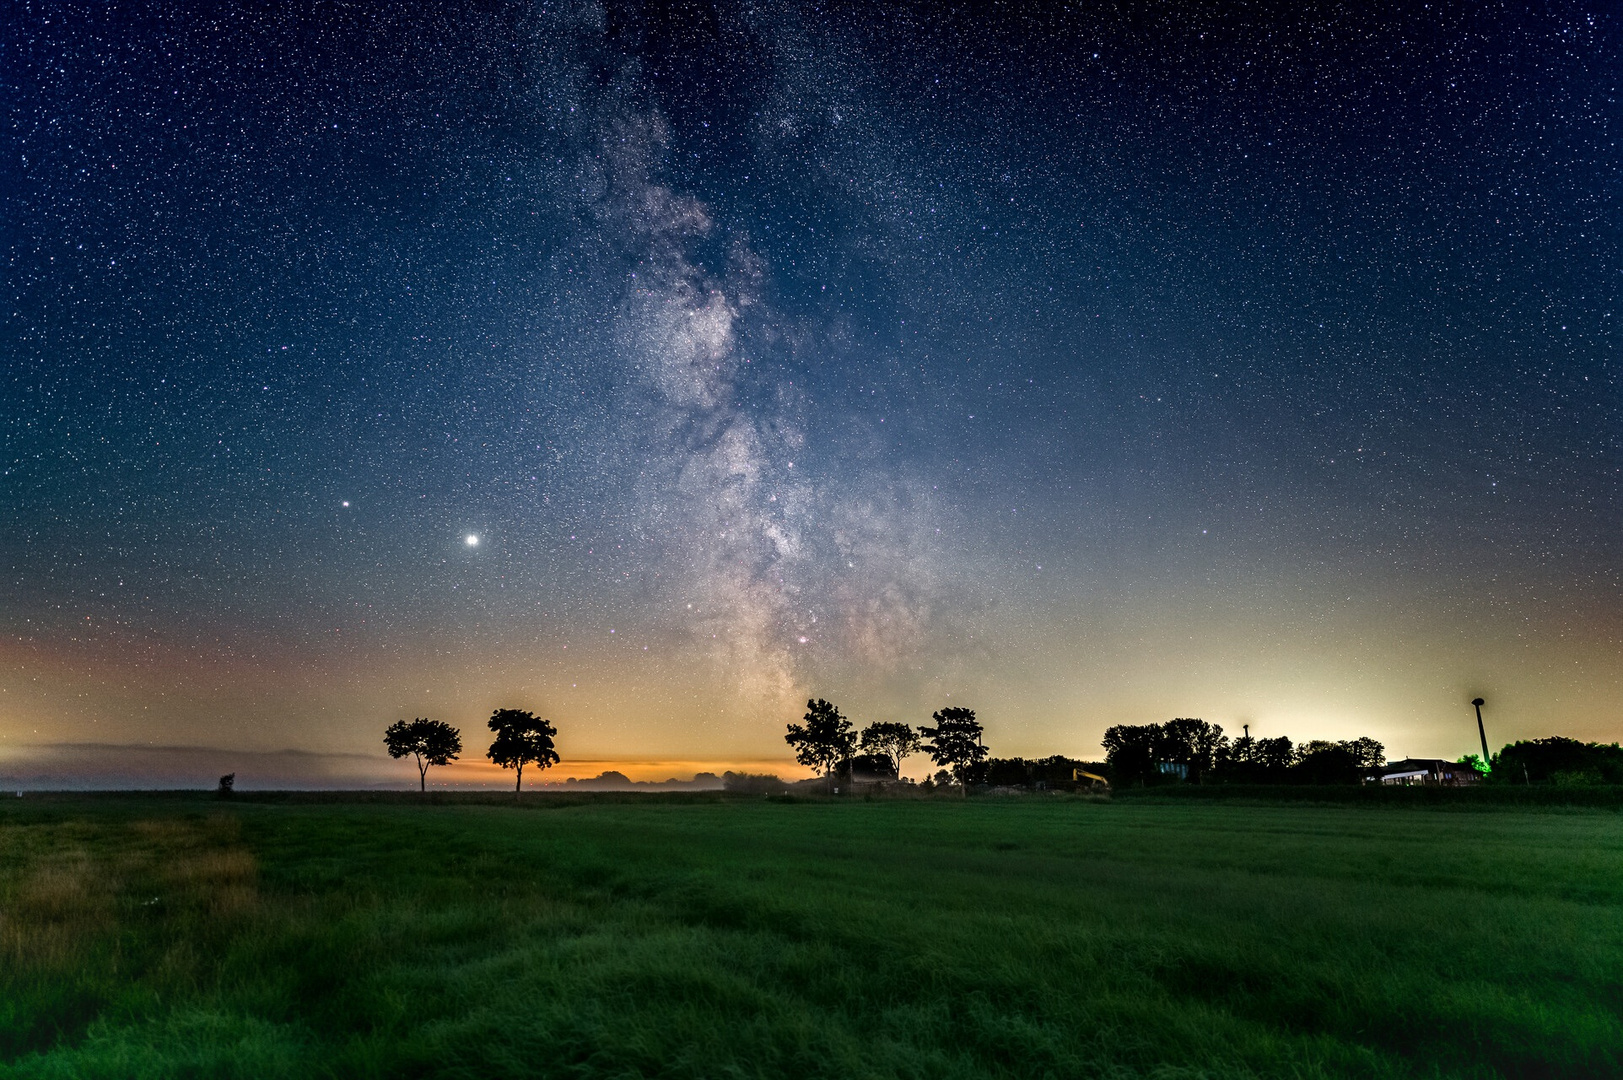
(471,540)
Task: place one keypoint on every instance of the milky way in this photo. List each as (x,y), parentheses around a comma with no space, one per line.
(1083,367)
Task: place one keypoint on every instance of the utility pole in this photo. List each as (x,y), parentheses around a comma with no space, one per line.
(1482,734)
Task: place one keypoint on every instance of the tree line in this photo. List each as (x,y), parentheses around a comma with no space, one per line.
(1190,749)
(1194,751)
(522,738)
(1557,760)
(825,740)
(1184,749)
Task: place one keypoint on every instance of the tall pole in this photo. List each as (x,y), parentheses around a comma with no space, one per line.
(1482,734)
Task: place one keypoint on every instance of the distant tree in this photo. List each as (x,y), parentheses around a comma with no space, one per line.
(753,783)
(522,739)
(1558,760)
(1249,760)
(870,767)
(1059,771)
(1056,771)
(1192,743)
(1274,755)
(228,783)
(824,741)
(608,780)
(1478,766)
(1308,749)
(896,741)
(1320,762)
(431,742)
(1004,772)
(1371,755)
(1234,762)
(1130,753)
(954,742)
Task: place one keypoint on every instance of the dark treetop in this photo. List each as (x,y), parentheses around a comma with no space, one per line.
(824,740)
(522,738)
(431,742)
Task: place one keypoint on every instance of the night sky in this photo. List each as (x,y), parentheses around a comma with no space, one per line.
(1098,365)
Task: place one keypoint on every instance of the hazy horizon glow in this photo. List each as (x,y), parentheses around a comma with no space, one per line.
(656,369)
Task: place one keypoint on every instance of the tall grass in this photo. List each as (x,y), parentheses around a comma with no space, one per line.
(705,939)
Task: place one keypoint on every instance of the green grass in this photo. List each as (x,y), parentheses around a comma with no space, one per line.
(706,938)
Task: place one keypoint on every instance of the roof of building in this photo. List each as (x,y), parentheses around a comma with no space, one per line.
(1429,764)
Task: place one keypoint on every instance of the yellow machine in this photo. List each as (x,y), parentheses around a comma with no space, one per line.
(1093,779)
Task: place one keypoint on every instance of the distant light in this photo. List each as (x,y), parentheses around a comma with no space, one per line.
(471,540)
(346,502)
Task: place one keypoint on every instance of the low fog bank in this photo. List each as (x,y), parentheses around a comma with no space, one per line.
(104,767)
(613,780)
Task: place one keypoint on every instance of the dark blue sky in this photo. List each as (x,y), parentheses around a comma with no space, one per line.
(1101,365)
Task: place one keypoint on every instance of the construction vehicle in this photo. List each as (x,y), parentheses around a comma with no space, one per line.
(1093,779)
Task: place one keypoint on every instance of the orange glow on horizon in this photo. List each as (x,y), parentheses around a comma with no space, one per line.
(483,774)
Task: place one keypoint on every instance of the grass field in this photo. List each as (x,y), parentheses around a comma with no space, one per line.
(707,938)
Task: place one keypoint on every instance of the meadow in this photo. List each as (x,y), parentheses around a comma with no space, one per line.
(715,937)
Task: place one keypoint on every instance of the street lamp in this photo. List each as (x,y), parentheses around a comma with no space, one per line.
(1483,735)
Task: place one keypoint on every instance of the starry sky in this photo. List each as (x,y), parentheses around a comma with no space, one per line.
(1093,364)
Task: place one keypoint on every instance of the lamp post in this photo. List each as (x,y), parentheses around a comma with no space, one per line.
(1481,734)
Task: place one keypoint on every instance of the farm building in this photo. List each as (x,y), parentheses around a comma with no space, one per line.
(1430,772)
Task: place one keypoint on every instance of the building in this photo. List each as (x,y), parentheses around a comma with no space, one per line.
(868,771)
(1428,772)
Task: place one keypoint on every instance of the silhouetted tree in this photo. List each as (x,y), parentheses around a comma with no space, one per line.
(824,741)
(1249,760)
(1371,755)
(1309,748)
(1059,771)
(1558,760)
(954,742)
(1320,762)
(1003,772)
(228,783)
(431,742)
(753,783)
(1275,755)
(896,741)
(874,767)
(522,739)
(1192,743)
(1235,758)
(1130,753)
